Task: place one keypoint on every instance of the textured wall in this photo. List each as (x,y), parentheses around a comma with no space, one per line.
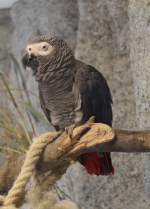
(112,36)
(103,42)
(139,14)
(4,37)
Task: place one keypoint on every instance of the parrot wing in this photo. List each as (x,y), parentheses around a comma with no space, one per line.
(45,110)
(95,101)
(95,95)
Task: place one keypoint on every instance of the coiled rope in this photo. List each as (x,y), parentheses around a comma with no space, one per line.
(32,157)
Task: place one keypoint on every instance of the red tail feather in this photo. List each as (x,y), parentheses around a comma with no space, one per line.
(98,163)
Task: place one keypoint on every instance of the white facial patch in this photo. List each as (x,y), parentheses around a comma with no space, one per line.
(42,49)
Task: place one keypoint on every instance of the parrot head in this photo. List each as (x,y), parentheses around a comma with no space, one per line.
(46,53)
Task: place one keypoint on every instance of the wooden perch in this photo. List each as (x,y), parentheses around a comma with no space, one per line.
(60,152)
(96,137)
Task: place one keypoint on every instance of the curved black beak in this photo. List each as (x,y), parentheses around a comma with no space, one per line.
(28,59)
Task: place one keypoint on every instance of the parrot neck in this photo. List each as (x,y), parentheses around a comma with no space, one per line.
(59,80)
(61,64)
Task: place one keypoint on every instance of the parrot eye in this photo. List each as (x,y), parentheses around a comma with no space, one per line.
(45,48)
(29,49)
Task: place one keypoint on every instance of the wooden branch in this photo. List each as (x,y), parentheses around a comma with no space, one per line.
(129,141)
(89,137)
(99,137)
(84,139)
(58,154)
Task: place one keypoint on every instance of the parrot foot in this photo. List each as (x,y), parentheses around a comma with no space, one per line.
(69,131)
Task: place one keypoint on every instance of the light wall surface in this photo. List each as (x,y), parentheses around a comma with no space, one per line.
(6,3)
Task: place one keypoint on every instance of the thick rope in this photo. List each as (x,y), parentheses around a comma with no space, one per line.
(28,167)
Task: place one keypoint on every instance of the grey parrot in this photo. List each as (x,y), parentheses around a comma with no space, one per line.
(70,92)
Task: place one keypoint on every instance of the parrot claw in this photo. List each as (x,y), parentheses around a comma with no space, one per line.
(69,131)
